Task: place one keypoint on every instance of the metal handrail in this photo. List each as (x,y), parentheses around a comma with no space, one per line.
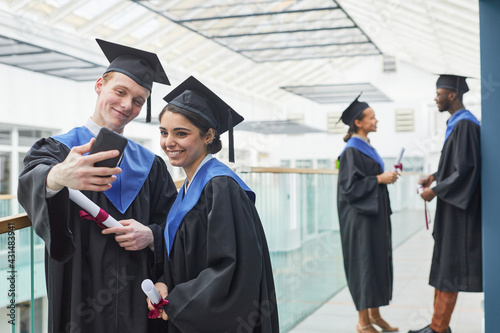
(20,221)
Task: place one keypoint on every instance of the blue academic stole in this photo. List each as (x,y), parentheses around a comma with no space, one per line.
(455,118)
(184,203)
(365,149)
(136,165)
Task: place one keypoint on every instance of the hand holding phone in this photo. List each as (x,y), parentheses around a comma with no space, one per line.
(109,140)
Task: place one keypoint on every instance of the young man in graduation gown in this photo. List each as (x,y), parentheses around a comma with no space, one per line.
(457,258)
(218,271)
(93,279)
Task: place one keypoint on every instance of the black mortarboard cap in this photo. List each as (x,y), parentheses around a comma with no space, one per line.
(193,96)
(353,110)
(453,82)
(141,66)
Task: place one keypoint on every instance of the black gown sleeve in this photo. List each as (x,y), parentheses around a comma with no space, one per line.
(461,166)
(52,225)
(227,276)
(163,194)
(358,187)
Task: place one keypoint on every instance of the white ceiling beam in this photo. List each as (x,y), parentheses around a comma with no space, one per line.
(269,82)
(454,13)
(214,52)
(166,5)
(195,52)
(315,76)
(177,44)
(137,23)
(50,38)
(468,5)
(65,10)
(104,16)
(158,36)
(16,6)
(467,29)
(232,59)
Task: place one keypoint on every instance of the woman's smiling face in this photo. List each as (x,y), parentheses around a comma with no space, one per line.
(368,123)
(182,143)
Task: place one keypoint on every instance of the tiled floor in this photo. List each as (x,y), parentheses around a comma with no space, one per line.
(411,306)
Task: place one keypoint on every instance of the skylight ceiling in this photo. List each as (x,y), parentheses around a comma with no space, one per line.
(38,59)
(272,31)
(251,47)
(277,127)
(339,93)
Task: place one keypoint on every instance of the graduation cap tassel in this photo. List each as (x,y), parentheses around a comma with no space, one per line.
(148,111)
(230,133)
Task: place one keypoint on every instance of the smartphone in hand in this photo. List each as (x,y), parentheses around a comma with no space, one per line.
(108,140)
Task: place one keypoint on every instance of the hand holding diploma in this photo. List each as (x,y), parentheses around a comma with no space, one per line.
(390,177)
(426,193)
(424,188)
(132,236)
(94,212)
(427,181)
(155,299)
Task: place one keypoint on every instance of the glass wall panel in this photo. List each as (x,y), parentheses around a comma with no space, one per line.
(27,137)
(5,166)
(325,164)
(299,215)
(5,136)
(303,163)
(24,273)
(21,159)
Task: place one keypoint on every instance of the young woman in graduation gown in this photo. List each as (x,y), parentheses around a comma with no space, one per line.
(218,275)
(364,216)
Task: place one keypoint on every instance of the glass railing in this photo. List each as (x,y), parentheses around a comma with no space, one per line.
(299,214)
(21,270)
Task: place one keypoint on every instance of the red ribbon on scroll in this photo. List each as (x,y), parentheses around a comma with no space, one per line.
(99,219)
(153,314)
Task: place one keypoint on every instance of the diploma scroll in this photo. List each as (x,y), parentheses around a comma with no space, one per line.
(150,290)
(420,189)
(99,215)
(154,296)
(398,164)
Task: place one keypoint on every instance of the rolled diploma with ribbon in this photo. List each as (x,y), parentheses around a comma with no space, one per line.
(87,205)
(150,290)
(420,189)
(398,164)
(154,296)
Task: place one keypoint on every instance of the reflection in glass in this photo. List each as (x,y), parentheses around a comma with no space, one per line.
(27,137)
(5,165)
(5,137)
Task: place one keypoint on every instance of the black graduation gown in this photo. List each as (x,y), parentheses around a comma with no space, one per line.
(219,275)
(94,285)
(365,230)
(457,258)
